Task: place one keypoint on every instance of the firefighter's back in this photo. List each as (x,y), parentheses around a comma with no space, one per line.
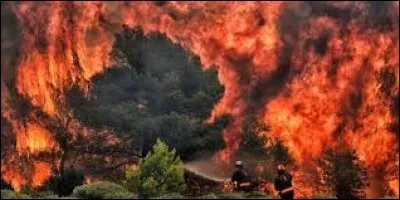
(283,184)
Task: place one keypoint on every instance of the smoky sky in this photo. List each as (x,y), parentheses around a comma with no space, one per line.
(9,47)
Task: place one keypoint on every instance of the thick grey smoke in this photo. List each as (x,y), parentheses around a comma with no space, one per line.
(9,48)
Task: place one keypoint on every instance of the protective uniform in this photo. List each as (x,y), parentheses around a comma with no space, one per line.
(240,178)
(283,183)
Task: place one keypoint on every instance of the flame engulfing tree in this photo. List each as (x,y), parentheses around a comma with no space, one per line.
(343,173)
(307,68)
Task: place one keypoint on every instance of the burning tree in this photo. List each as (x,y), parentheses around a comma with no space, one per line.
(254,135)
(92,151)
(306,68)
(343,173)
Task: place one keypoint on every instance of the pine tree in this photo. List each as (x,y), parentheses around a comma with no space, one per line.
(343,173)
(160,172)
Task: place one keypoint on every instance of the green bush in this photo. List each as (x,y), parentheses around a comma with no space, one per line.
(8,194)
(35,194)
(390,197)
(102,190)
(171,196)
(208,196)
(258,195)
(241,195)
(54,196)
(67,197)
(232,195)
(159,173)
(44,195)
(57,197)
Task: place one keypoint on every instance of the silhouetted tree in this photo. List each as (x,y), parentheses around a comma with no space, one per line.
(343,173)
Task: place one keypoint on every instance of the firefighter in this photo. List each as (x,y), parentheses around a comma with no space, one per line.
(240,179)
(283,183)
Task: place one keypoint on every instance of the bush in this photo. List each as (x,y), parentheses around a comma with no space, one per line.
(35,194)
(258,195)
(56,197)
(208,196)
(8,194)
(159,173)
(102,190)
(171,196)
(232,195)
(240,195)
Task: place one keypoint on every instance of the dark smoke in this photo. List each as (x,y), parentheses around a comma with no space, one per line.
(9,48)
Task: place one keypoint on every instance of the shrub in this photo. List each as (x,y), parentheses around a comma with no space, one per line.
(159,173)
(55,197)
(232,195)
(35,194)
(208,196)
(171,196)
(258,195)
(8,194)
(102,190)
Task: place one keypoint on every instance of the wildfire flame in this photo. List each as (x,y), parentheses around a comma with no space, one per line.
(316,73)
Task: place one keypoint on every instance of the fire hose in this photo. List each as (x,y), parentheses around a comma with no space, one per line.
(275,193)
(291,188)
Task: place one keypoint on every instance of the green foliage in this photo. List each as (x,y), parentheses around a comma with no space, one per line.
(280,153)
(390,197)
(102,190)
(232,195)
(9,194)
(171,196)
(6,194)
(208,196)
(254,136)
(258,195)
(209,135)
(242,195)
(35,194)
(159,173)
(259,149)
(343,173)
(156,90)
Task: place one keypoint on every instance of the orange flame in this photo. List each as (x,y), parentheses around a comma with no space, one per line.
(33,138)
(14,178)
(42,171)
(312,71)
